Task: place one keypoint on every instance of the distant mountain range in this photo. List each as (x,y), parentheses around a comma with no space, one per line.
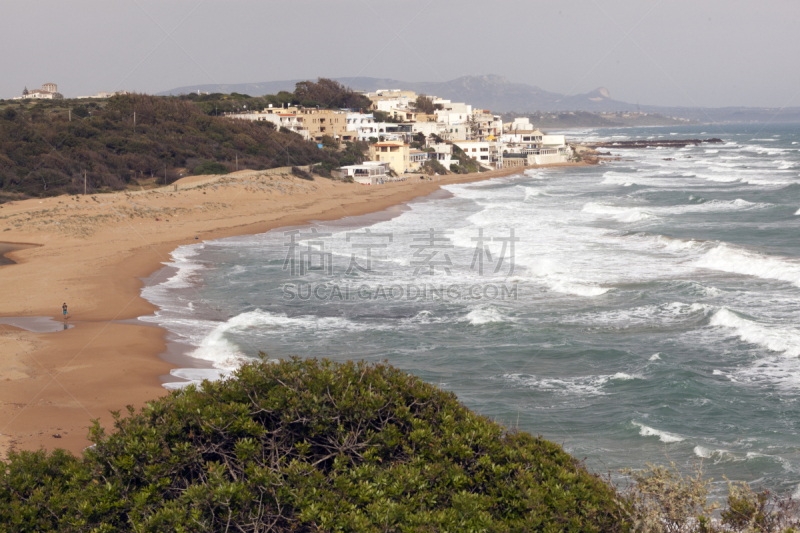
(499,95)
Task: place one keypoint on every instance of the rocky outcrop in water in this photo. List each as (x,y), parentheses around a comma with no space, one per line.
(647,143)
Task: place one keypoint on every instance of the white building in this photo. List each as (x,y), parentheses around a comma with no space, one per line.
(428,128)
(487,153)
(49,91)
(523,137)
(453,107)
(443,154)
(290,121)
(520,123)
(368,173)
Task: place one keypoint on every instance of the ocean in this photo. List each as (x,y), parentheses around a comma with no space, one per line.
(643,310)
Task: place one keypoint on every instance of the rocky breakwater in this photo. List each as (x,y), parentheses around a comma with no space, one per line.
(647,143)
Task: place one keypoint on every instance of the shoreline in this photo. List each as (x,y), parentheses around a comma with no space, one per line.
(97,253)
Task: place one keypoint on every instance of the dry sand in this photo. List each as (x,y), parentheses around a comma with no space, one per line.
(91,253)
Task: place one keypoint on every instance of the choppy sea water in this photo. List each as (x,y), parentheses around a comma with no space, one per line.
(652,312)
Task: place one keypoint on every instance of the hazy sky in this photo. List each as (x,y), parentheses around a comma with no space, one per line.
(668,52)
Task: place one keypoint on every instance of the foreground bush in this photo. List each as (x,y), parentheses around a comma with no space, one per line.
(663,500)
(307,446)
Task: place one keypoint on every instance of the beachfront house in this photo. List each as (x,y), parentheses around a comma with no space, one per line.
(396,153)
(488,153)
(417,158)
(367,173)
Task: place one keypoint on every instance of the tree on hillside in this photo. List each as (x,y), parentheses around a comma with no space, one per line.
(424,104)
(42,153)
(329,93)
(473,126)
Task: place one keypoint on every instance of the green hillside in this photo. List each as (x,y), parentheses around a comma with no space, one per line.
(46,146)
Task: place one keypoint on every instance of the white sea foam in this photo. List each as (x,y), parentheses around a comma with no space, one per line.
(622,214)
(484,315)
(578,386)
(797,213)
(532,192)
(224,354)
(703,452)
(536,174)
(195,376)
(576,288)
(712,151)
(663,436)
(717,455)
(727,258)
(617,178)
(673,244)
(649,316)
(784,340)
(655,357)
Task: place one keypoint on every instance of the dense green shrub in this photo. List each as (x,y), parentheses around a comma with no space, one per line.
(302,174)
(307,445)
(48,154)
(432,166)
(210,167)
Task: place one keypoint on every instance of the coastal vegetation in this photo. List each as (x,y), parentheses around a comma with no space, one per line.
(50,147)
(466,164)
(325,93)
(308,445)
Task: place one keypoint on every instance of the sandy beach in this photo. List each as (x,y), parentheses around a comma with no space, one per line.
(92,253)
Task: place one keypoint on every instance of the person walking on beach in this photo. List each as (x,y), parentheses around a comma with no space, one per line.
(64,308)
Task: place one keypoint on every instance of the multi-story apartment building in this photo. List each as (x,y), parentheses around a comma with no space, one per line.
(487,153)
(396,153)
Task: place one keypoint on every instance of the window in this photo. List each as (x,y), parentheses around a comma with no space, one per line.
(484,157)
(484,149)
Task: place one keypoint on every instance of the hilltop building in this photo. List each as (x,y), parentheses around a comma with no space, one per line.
(49,91)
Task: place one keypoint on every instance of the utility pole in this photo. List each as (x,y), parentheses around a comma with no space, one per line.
(84,182)
(134,121)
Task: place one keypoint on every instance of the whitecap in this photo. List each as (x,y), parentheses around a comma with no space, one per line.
(194,376)
(655,357)
(622,376)
(567,386)
(663,436)
(726,258)
(484,315)
(622,214)
(772,338)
